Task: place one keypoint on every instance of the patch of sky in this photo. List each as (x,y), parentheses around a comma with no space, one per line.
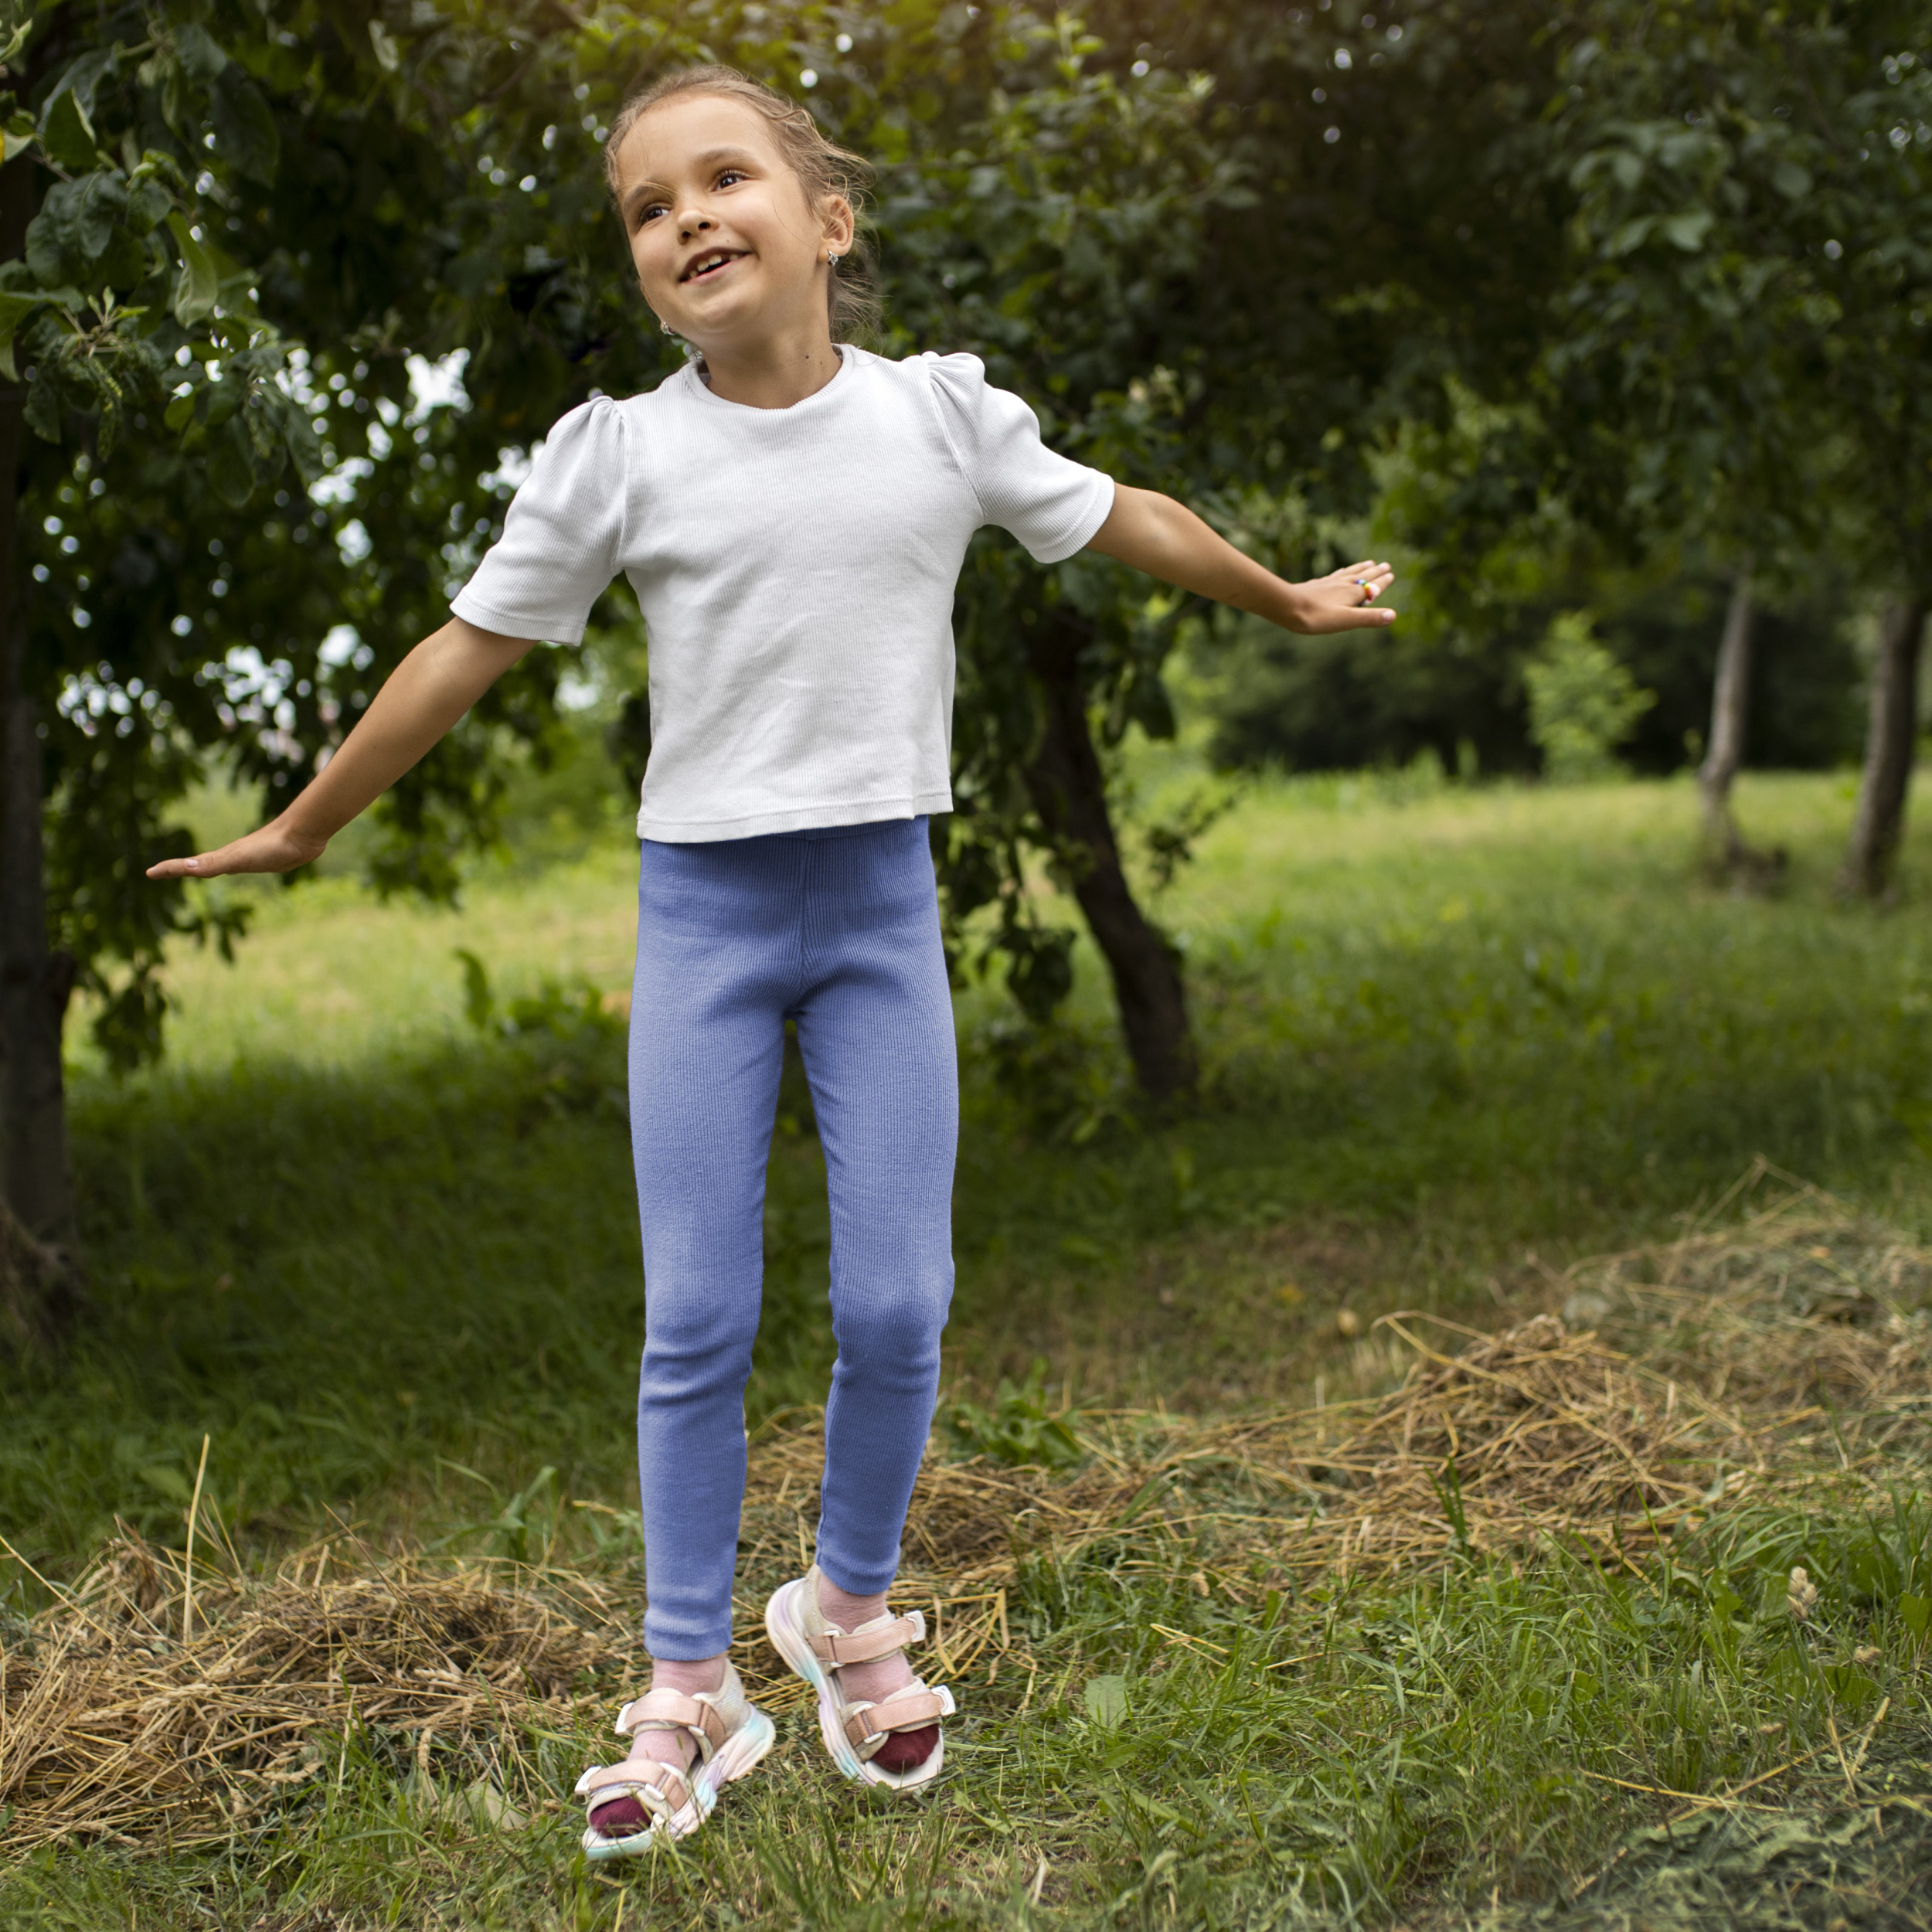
(344,645)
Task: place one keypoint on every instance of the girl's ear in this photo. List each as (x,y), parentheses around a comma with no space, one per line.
(840,228)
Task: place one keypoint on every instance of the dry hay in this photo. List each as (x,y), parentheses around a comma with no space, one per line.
(1804,1307)
(1534,1433)
(112,1725)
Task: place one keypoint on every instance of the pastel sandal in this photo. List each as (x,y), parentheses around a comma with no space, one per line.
(732,1734)
(853,1731)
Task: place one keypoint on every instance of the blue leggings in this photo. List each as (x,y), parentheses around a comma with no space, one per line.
(838,930)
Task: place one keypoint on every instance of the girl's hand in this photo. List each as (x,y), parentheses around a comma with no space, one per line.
(273,848)
(1344,599)
(430,690)
(1154,533)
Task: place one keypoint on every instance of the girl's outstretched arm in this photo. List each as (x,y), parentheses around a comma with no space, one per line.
(1167,540)
(425,695)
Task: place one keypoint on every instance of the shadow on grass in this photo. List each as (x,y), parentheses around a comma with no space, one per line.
(352,1281)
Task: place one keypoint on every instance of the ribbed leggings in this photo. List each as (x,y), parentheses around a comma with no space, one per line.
(838,930)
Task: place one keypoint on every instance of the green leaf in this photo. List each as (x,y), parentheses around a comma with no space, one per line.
(1791,180)
(14,310)
(124,264)
(231,464)
(196,291)
(170,1483)
(264,436)
(1687,231)
(201,56)
(245,132)
(43,407)
(84,76)
(224,398)
(164,71)
(479,1003)
(67,135)
(76,224)
(1849,1685)
(148,204)
(1105,1698)
(178,412)
(305,448)
(21,132)
(1915,1614)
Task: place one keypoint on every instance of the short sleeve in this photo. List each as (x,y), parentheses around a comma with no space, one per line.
(562,537)
(1051,503)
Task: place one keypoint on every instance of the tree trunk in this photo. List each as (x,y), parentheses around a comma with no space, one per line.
(1730,700)
(40,1290)
(1891,738)
(34,983)
(1069,793)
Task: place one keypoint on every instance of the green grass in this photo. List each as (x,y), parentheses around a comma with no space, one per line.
(1463,1745)
(1454,1039)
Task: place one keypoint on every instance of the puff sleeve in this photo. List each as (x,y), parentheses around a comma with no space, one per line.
(562,537)
(1051,503)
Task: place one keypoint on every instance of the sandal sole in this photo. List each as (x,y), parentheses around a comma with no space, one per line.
(789,1639)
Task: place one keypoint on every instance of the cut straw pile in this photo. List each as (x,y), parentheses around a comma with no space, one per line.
(152,1702)
(156,1703)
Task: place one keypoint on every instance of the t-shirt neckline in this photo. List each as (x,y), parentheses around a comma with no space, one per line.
(848,356)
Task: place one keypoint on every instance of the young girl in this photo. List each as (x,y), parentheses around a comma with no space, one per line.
(792,513)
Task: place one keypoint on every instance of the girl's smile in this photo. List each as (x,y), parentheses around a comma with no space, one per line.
(711,264)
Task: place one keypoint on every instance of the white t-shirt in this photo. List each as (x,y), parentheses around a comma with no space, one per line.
(796,568)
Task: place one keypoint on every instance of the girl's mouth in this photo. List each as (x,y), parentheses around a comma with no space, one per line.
(712,264)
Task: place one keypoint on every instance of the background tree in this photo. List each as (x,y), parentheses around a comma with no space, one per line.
(222,299)
(217,270)
(231,510)
(1249,256)
(1741,351)
(1233,295)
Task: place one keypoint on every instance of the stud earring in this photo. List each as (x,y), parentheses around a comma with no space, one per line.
(665,326)
(831,258)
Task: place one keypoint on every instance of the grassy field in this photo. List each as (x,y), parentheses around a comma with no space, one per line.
(385,1261)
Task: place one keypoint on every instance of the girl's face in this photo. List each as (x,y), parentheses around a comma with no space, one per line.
(727,247)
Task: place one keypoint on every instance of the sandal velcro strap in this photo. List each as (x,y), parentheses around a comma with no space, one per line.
(668,1786)
(664,1710)
(910,1710)
(836,1647)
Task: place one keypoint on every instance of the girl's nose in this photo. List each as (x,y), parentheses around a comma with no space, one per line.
(690,223)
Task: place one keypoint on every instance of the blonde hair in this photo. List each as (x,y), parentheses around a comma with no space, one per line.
(824,169)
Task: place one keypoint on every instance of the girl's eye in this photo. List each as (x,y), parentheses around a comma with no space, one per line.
(649,212)
(731,175)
